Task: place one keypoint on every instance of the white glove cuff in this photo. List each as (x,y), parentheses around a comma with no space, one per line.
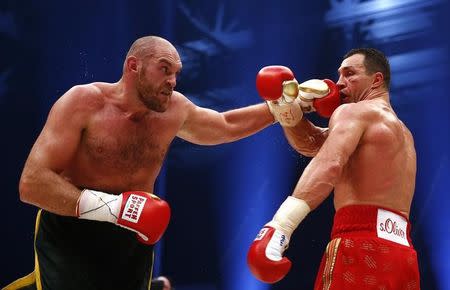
(270,104)
(290,214)
(287,114)
(99,206)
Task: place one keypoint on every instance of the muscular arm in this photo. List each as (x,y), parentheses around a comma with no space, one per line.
(306,138)
(325,169)
(208,127)
(41,183)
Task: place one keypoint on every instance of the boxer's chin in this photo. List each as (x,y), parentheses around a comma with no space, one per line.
(157,106)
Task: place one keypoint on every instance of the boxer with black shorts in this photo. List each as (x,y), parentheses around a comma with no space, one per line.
(93,168)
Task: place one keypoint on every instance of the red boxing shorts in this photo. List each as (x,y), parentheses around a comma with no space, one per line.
(370,248)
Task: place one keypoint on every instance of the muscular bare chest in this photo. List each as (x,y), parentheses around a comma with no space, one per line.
(113,141)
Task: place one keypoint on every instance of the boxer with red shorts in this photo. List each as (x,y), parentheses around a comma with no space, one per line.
(370,248)
(366,156)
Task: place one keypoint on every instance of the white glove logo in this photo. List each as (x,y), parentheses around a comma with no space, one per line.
(261,234)
(133,208)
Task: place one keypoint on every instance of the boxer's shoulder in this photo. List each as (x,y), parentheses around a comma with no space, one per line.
(179,98)
(180,104)
(347,113)
(363,111)
(86,95)
(79,101)
(91,89)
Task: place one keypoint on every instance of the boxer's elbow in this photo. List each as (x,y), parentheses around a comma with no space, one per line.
(333,171)
(24,188)
(27,185)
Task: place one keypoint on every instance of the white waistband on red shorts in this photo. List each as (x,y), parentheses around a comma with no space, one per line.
(381,222)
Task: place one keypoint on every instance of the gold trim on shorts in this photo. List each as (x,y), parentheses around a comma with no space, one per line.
(35,276)
(331,254)
(151,270)
(36,260)
(21,282)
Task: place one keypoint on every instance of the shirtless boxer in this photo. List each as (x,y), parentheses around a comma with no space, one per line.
(367,157)
(97,159)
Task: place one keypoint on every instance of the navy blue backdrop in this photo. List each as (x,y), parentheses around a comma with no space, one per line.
(222,195)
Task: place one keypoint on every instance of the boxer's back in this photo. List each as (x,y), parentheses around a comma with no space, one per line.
(382,169)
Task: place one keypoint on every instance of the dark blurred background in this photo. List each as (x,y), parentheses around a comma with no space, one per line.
(222,195)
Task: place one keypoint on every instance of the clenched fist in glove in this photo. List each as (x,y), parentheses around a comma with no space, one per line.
(277,86)
(138,211)
(321,96)
(265,256)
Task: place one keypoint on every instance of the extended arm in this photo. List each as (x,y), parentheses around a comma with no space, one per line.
(208,127)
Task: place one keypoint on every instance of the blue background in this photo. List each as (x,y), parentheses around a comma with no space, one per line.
(222,195)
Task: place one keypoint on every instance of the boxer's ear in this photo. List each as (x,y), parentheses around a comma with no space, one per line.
(131,64)
(378,80)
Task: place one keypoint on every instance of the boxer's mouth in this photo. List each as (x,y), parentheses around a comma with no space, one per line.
(166,92)
(343,96)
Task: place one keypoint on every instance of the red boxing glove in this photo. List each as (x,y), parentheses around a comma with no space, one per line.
(276,84)
(326,105)
(265,256)
(271,82)
(144,213)
(321,96)
(138,211)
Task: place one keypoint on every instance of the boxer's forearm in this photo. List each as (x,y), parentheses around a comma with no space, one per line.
(248,120)
(306,138)
(46,189)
